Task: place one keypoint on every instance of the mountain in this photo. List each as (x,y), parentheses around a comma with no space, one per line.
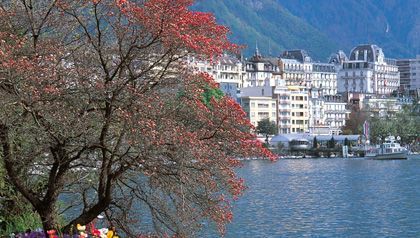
(394,25)
(268,24)
(320,26)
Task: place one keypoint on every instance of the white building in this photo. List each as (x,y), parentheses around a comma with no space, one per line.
(324,78)
(258,103)
(317,117)
(368,72)
(261,71)
(382,107)
(228,71)
(327,114)
(284,109)
(336,113)
(296,68)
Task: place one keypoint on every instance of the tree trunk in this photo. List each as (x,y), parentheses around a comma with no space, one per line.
(88,216)
(48,218)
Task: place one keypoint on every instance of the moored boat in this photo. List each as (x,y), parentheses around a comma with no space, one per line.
(389,150)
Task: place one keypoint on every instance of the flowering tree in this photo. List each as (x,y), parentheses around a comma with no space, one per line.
(97,102)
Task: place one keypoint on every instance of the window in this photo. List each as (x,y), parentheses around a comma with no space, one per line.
(263,105)
(263,114)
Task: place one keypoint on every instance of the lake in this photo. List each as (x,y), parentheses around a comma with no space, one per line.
(328,198)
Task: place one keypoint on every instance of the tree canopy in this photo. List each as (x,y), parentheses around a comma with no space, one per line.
(354,124)
(98,102)
(266,127)
(405,124)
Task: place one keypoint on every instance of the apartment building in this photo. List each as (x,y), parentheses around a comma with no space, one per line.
(228,71)
(368,72)
(409,74)
(259,103)
(336,113)
(261,71)
(299,105)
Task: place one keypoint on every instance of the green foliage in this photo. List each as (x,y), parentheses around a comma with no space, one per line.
(270,24)
(210,93)
(331,143)
(405,124)
(266,127)
(315,143)
(281,148)
(15,212)
(347,142)
(20,223)
(321,26)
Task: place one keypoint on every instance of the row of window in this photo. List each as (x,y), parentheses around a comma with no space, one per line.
(294,122)
(297,67)
(262,105)
(263,114)
(299,114)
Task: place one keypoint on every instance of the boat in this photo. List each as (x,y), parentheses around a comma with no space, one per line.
(299,144)
(389,150)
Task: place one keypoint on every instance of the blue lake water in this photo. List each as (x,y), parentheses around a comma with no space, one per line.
(328,198)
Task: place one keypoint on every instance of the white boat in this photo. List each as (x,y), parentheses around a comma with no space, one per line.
(299,144)
(389,150)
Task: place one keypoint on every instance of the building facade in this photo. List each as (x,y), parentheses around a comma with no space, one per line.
(327,114)
(324,78)
(336,113)
(382,107)
(296,67)
(404,68)
(228,71)
(415,74)
(261,71)
(284,110)
(258,103)
(409,74)
(299,105)
(368,72)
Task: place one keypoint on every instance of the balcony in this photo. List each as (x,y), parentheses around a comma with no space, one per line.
(282,93)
